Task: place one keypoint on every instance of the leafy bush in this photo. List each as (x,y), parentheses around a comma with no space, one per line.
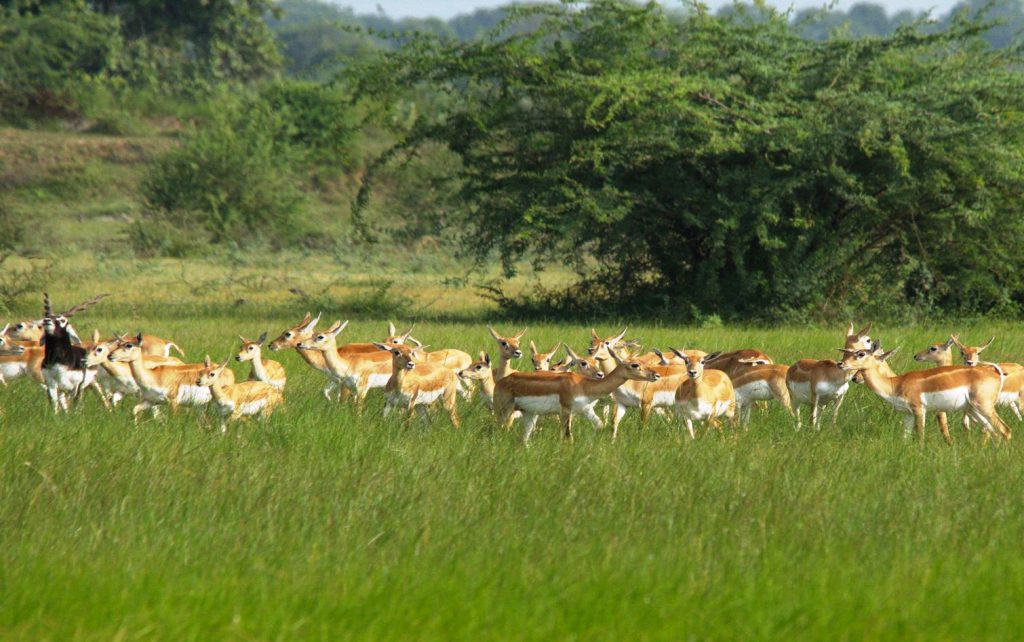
(45,55)
(317,119)
(232,180)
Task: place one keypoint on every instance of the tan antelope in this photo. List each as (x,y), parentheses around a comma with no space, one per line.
(817,383)
(861,340)
(542,360)
(359,372)
(480,370)
(972,355)
(293,336)
(974,391)
(28,362)
(941,354)
(414,384)
(269,372)
(648,395)
(508,349)
(738,362)
(115,379)
(237,400)
(763,382)
(600,348)
(450,358)
(1013,386)
(542,393)
(705,395)
(170,384)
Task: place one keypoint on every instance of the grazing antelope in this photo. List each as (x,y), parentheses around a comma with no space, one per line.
(542,393)
(358,372)
(943,389)
(738,362)
(237,400)
(542,360)
(415,385)
(63,367)
(115,379)
(170,384)
(705,395)
(816,383)
(269,372)
(508,349)
(763,382)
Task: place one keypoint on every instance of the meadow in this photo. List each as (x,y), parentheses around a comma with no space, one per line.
(320,524)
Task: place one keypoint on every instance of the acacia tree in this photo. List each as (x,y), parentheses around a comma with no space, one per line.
(728,165)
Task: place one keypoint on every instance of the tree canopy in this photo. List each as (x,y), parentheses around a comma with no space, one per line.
(728,165)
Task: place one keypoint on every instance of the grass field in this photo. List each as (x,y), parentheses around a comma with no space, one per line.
(321,524)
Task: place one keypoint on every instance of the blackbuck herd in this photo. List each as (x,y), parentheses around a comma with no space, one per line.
(694,385)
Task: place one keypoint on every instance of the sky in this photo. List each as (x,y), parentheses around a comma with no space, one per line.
(449,8)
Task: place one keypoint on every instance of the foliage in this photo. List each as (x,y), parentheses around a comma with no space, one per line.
(316,119)
(232,180)
(729,164)
(45,55)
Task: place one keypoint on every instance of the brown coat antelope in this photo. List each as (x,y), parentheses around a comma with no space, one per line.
(414,385)
(816,383)
(705,395)
(358,372)
(944,389)
(269,372)
(237,400)
(762,382)
(542,393)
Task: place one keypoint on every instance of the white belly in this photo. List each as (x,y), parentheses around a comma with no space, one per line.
(12,370)
(828,390)
(426,397)
(193,395)
(66,379)
(699,409)
(665,398)
(1007,398)
(542,405)
(753,391)
(253,407)
(800,391)
(628,397)
(379,380)
(946,400)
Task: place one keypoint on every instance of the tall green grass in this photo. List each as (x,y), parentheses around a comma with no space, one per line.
(323,525)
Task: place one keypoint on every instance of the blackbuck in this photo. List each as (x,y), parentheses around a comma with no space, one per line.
(762,382)
(170,384)
(648,395)
(358,372)
(542,393)
(738,362)
(237,400)
(704,395)
(861,340)
(63,368)
(414,385)
(817,383)
(974,391)
(1013,386)
(450,358)
(269,372)
(542,360)
(115,379)
(972,355)
(508,349)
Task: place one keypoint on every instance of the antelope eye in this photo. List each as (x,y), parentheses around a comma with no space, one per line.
(932,349)
(320,337)
(287,335)
(504,344)
(479,367)
(634,366)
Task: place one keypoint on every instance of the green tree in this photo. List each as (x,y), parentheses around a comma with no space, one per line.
(728,165)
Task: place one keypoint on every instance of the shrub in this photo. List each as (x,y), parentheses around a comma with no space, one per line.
(232,180)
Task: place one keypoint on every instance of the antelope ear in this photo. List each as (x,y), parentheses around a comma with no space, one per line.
(533,348)
(338,327)
(224,365)
(949,343)
(987,344)
(382,346)
(885,356)
(308,328)
(711,357)
(678,353)
(416,342)
(497,337)
(391,329)
(572,355)
(138,339)
(263,337)
(849,330)
(243,339)
(661,356)
(306,319)
(4,331)
(207,361)
(620,335)
(520,335)
(593,333)
(95,336)
(487,358)
(555,349)
(864,331)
